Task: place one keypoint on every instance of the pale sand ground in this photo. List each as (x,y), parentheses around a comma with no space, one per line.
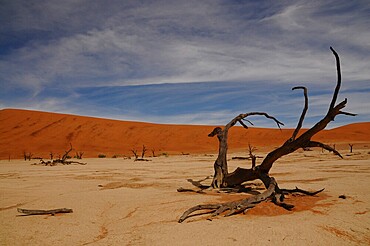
(122,202)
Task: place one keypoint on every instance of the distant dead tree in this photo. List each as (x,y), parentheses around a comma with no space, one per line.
(153,152)
(27,156)
(79,154)
(134,151)
(143,152)
(51,155)
(350,147)
(251,155)
(61,160)
(222,179)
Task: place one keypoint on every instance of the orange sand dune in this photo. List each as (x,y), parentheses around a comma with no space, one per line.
(41,133)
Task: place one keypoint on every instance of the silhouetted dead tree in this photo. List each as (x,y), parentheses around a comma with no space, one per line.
(223,179)
(350,147)
(79,154)
(143,152)
(134,151)
(153,152)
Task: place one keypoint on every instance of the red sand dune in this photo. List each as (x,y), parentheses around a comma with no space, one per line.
(41,133)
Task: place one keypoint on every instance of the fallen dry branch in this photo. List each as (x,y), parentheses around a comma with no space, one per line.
(297,190)
(41,212)
(141,159)
(240,158)
(190,190)
(58,161)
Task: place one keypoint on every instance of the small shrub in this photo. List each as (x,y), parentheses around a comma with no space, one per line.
(102,156)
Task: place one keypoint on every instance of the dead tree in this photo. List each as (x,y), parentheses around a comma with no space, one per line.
(143,152)
(222,178)
(153,152)
(252,156)
(27,156)
(134,151)
(350,147)
(51,155)
(61,160)
(79,154)
(220,166)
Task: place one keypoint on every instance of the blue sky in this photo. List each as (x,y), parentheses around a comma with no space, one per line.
(184,62)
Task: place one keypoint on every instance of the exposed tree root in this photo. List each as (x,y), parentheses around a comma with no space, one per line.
(235,207)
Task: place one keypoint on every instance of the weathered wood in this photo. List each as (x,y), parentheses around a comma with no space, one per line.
(233,207)
(305,139)
(65,156)
(300,122)
(220,165)
(297,190)
(222,178)
(41,212)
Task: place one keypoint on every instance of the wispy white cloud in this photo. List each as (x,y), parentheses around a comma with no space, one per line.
(82,44)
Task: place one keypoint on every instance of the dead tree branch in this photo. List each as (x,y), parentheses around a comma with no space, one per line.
(300,122)
(41,212)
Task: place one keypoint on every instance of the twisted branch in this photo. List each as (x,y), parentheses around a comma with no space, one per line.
(300,122)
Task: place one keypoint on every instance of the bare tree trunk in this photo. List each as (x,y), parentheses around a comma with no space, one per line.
(220,165)
(350,147)
(143,152)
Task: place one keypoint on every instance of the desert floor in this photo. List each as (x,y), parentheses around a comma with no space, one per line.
(122,202)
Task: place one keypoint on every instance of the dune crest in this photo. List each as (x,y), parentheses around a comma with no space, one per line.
(41,133)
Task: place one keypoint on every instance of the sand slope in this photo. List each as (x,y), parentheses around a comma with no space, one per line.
(41,133)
